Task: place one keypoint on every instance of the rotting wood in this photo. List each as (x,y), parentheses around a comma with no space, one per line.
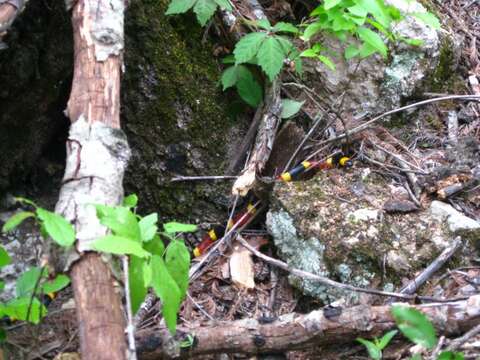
(295,331)
(97,155)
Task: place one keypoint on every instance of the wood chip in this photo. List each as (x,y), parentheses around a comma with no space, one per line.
(241,268)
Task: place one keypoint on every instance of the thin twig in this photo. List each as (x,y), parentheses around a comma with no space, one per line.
(455,344)
(130,330)
(403,108)
(199,307)
(328,282)
(202,178)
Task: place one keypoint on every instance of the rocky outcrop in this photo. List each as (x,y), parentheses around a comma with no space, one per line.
(334,225)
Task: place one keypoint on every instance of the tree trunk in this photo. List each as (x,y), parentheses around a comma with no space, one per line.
(97,155)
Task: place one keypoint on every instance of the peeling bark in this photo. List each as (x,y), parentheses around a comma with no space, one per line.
(97,155)
(294,331)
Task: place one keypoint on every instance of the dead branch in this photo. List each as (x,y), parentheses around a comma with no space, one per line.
(455,344)
(295,331)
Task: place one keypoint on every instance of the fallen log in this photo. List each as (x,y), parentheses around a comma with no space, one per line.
(298,331)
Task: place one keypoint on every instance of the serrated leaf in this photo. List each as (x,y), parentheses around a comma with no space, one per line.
(285,27)
(177,260)
(130,201)
(16,220)
(148,227)
(204,9)
(57,227)
(155,246)
(248,88)
(176,227)
(229,77)
(327,61)
(331,3)
(385,339)
(19,308)
(119,245)
(373,39)
(27,281)
(415,326)
(428,19)
(248,47)
(224,4)
(290,108)
(4,257)
(270,57)
(55,285)
(179,6)
(374,352)
(167,290)
(138,288)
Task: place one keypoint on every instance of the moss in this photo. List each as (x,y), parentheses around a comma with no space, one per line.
(173,110)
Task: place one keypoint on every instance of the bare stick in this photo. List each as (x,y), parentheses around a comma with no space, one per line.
(426,274)
(321,279)
(403,108)
(203,178)
(144,309)
(455,344)
(130,330)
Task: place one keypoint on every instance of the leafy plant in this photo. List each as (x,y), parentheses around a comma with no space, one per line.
(290,108)
(35,283)
(376,346)
(416,327)
(203,9)
(361,24)
(165,269)
(240,77)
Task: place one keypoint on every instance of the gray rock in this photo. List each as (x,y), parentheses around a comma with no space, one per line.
(457,222)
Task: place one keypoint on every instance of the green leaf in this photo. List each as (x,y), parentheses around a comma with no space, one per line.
(351,51)
(308,53)
(413,42)
(147,274)
(55,285)
(449,355)
(248,47)
(155,246)
(331,3)
(311,30)
(229,77)
(366,50)
(27,281)
(373,351)
(25,201)
(270,57)
(122,221)
(119,245)
(138,287)
(290,108)
(377,9)
(148,227)
(285,27)
(385,340)
(372,39)
(327,61)
(177,260)
(204,10)
(179,6)
(4,257)
(358,11)
(264,24)
(248,88)
(428,19)
(415,326)
(57,227)
(224,4)
(19,308)
(16,220)
(176,227)
(167,290)
(130,201)
(2,287)
(229,59)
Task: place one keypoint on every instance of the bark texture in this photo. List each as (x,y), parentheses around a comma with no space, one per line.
(294,331)
(97,155)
